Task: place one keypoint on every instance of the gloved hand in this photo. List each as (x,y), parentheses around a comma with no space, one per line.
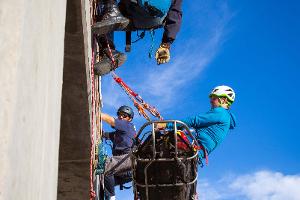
(160,126)
(163,54)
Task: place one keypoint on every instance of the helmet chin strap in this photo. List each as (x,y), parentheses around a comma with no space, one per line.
(224,105)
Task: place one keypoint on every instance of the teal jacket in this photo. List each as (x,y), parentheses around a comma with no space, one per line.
(212,127)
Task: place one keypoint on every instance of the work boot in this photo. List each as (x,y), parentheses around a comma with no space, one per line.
(111,20)
(106,65)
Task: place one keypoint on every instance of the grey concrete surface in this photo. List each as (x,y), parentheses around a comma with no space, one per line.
(31,71)
(73,179)
(45,97)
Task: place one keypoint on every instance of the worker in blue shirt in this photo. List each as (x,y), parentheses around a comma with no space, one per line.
(212,127)
(122,139)
(136,15)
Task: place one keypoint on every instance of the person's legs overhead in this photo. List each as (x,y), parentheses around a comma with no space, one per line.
(106,65)
(111,20)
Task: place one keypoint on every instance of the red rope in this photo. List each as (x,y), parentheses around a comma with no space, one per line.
(138,101)
(92,192)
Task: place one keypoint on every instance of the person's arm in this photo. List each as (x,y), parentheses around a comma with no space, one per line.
(201,121)
(172,27)
(108,119)
(173,22)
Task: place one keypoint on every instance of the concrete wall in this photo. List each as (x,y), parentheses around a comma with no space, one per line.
(74,153)
(31,71)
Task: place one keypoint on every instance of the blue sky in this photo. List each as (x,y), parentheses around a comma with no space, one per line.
(252,46)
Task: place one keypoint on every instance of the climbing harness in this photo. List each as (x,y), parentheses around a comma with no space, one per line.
(141,36)
(199,148)
(183,142)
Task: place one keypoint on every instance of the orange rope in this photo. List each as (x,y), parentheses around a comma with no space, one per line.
(138,101)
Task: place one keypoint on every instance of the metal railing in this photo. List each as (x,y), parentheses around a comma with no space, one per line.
(149,161)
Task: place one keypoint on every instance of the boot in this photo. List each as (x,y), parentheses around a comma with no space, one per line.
(112,19)
(106,65)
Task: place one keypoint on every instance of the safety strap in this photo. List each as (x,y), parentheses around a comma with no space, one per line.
(140,37)
(201,147)
(194,146)
(128,41)
(137,100)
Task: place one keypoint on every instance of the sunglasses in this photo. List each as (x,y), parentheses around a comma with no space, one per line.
(213,97)
(123,115)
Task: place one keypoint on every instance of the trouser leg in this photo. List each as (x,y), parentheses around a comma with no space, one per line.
(106,65)
(109,186)
(113,163)
(104,39)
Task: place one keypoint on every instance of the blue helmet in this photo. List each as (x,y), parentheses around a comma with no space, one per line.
(127,110)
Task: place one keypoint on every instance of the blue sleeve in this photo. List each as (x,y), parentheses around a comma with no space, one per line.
(173,22)
(124,126)
(201,121)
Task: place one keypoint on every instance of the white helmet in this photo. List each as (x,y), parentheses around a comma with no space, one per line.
(223,91)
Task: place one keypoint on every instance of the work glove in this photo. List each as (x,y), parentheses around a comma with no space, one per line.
(163,54)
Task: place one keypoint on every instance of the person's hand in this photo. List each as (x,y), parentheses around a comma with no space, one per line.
(160,126)
(163,54)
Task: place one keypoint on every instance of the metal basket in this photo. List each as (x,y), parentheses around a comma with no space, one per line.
(161,169)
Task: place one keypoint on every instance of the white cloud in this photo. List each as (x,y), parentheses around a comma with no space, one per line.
(261,185)
(207,192)
(266,185)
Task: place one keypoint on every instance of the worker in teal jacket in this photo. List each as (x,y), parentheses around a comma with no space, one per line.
(212,127)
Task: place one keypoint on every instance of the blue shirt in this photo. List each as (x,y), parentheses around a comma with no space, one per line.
(212,127)
(123,136)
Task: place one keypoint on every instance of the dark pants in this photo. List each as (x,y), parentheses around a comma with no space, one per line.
(140,19)
(103,41)
(111,181)
(122,174)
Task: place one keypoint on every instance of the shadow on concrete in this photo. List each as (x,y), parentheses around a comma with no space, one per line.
(73,176)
